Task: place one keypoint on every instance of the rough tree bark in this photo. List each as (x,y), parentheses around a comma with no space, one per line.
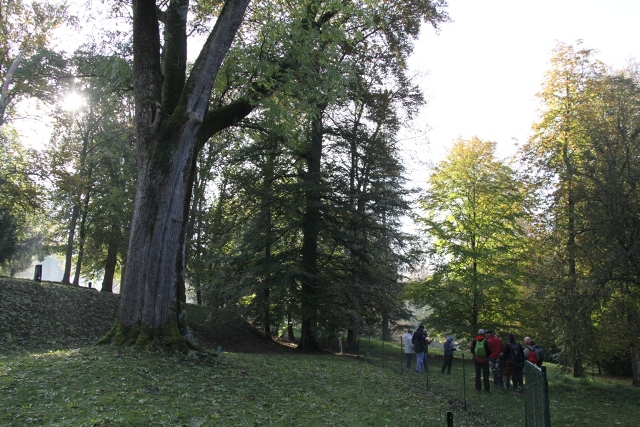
(169,134)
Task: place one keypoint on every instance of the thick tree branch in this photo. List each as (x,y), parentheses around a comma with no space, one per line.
(206,67)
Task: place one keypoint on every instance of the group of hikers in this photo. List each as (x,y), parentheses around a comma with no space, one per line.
(505,360)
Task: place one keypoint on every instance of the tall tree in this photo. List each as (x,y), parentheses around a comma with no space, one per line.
(556,152)
(475,207)
(611,171)
(174,119)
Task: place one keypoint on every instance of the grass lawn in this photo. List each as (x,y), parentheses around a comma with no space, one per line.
(50,375)
(100,386)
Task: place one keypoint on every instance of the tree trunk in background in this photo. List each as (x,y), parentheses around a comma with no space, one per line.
(352,341)
(311,229)
(110,267)
(635,360)
(66,276)
(268,174)
(290,335)
(82,237)
(75,213)
(386,331)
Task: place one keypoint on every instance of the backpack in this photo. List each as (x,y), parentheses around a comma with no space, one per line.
(516,354)
(481,349)
(539,352)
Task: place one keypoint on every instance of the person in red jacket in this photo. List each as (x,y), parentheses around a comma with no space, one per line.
(530,352)
(481,350)
(494,358)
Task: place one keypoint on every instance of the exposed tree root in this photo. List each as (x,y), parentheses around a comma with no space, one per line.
(169,338)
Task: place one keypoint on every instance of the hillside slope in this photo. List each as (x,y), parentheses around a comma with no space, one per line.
(42,316)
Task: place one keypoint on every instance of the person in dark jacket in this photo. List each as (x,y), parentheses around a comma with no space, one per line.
(419,341)
(481,363)
(514,357)
(448,354)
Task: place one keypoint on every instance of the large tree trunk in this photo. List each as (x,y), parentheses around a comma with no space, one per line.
(311,229)
(152,308)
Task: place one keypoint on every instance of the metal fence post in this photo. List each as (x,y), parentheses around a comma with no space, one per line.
(547,406)
(426,371)
(449,419)
(464,382)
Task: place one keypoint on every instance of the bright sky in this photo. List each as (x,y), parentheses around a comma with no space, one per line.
(486,66)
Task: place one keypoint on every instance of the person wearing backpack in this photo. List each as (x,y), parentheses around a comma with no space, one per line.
(533,352)
(513,353)
(481,350)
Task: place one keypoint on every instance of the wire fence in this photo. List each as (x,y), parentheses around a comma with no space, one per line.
(511,386)
(536,394)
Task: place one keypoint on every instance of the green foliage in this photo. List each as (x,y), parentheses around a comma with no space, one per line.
(474,210)
(341,65)
(27,67)
(584,155)
(21,203)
